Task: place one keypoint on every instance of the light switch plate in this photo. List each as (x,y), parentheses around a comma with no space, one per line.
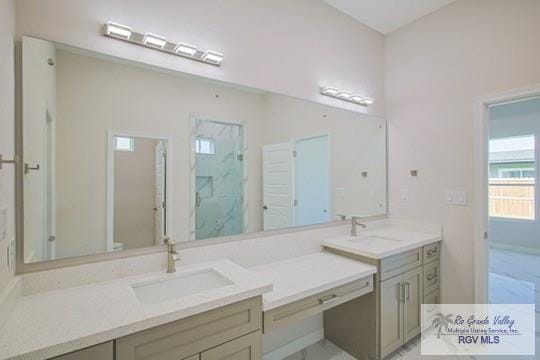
(340,193)
(456,197)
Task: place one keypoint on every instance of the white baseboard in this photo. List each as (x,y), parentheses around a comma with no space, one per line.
(520,249)
(295,346)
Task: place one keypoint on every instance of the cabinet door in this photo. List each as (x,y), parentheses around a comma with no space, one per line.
(245,348)
(414,292)
(391,313)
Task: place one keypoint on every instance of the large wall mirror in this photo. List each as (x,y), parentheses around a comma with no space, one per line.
(118,155)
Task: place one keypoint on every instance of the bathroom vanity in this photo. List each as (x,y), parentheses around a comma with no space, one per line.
(220,310)
(407,258)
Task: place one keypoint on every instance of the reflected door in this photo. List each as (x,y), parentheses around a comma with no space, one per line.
(160,187)
(277,186)
(219,179)
(312,180)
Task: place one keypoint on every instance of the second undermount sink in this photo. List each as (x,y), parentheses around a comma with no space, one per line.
(174,287)
(375,240)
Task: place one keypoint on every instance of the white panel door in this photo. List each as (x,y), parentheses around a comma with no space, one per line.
(159,208)
(277,186)
(312,180)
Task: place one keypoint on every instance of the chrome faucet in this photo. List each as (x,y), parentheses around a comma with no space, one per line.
(171,258)
(355,224)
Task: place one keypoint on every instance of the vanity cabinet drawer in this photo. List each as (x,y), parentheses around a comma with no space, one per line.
(247,347)
(103,351)
(431,277)
(187,337)
(432,252)
(316,304)
(400,263)
(431,304)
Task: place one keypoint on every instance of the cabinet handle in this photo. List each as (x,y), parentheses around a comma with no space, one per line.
(408,288)
(401,292)
(431,277)
(328,299)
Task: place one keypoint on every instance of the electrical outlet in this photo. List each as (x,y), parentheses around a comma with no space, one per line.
(455,197)
(404,195)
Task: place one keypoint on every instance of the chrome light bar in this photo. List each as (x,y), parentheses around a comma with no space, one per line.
(160,43)
(346,96)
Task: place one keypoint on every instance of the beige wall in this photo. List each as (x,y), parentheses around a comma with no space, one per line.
(288,47)
(358,143)
(126,94)
(435,69)
(134,194)
(7,128)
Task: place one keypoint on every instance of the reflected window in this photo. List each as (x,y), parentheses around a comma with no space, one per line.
(512,177)
(123,143)
(205,146)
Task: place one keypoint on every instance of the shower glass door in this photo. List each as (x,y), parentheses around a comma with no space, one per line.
(219,179)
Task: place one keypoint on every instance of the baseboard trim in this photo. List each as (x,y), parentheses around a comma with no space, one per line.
(520,249)
(295,346)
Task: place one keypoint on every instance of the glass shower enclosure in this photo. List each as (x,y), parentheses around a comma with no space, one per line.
(218,174)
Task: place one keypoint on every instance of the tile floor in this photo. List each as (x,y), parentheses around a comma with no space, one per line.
(514,279)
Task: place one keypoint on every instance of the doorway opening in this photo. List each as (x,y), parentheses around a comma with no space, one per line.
(137,164)
(514,225)
(311,180)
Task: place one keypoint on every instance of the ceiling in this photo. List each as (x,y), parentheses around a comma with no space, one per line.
(386,16)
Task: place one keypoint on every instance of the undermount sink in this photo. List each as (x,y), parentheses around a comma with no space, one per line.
(156,291)
(374,240)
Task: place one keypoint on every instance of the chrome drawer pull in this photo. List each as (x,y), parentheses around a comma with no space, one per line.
(328,299)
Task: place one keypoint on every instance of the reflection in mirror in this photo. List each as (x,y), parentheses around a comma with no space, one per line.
(137,191)
(119,155)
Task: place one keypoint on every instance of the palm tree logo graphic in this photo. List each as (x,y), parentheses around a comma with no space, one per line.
(441,322)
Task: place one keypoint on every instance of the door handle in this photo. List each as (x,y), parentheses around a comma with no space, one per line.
(197,199)
(28,167)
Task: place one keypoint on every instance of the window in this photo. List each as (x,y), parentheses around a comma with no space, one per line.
(516,173)
(205,146)
(122,143)
(512,177)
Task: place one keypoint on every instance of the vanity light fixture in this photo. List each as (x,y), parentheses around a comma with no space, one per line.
(157,42)
(117,30)
(185,49)
(346,96)
(343,95)
(154,40)
(213,57)
(330,91)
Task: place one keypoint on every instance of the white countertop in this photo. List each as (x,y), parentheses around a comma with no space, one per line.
(51,323)
(303,276)
(386,238)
